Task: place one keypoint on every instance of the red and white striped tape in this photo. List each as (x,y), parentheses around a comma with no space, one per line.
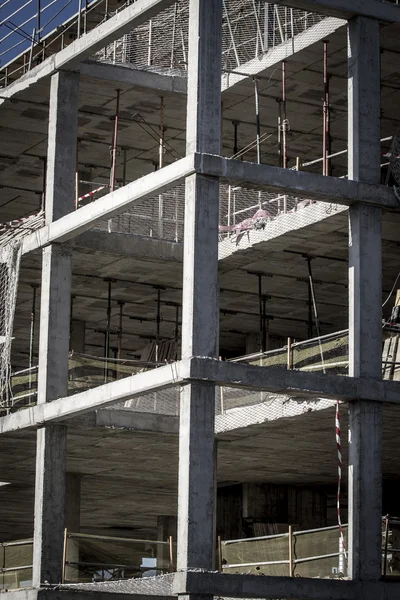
(17,222)
(340,464)
(92,193)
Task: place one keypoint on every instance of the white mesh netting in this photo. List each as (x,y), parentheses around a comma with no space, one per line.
(11,237)
(10,257)
(249,29)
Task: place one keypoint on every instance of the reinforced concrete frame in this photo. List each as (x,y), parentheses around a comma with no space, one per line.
(199,371)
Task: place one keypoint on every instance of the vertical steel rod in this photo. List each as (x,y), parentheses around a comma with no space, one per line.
(265,333)
(160,165)
(38,21)
(114,145)
(325,133)
(78,26)
(173,36)
(235,137)
(149,43)
(124,166)
(261,314)
(258,127)
(386,546)
(176,332)
(158,321)
(32,331)
(108,328)
(284,121)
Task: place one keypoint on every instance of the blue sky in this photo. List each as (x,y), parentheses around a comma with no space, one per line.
(25,11)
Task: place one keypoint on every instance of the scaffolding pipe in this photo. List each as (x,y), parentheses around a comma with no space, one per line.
(173,36)
(325,133)
(78,26)
(279,101)
(284,121)
(32,330)
(108,329)
(314,303)
(261,312)
(158,321)
(258,126)
(114,145)
(124,166)
(38,21)
(235,137)
(149,42)
(160,165)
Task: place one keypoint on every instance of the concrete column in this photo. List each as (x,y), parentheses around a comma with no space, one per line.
(365,299)
(200,319)
(54,333)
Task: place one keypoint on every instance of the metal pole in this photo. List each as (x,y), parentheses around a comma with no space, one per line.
(257,106)
(279,101)
(284,122)
(108,327)
(325,133)
(261,314)
(78,27)
(265,325)
(114,145)
(121,306)
(290,551)
(176,333)
(173,35)
(32,332)
(289,354)
(158,320)
(38,21)
(124,167)
(31,50)
(386,546)
(314,302)
(149,43)
(292,28)
(310,319)
(235,137)
(160,165)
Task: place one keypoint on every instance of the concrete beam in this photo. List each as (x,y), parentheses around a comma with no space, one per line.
(136,421)
(128,244)
(126,73)
(289,383)
(253,586)
(84,47)
(297,183)
(99,397)
(343,9)
(110,205)
(293,383)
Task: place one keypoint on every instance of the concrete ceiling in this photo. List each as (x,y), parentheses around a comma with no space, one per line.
(128,478)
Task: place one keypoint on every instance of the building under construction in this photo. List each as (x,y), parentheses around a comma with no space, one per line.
(199,299)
